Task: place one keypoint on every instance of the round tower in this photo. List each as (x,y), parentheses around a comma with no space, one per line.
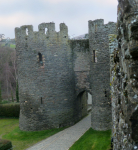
(45,76)
(100,73)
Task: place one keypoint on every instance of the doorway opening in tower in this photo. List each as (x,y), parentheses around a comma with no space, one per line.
(89,102)
(84,103)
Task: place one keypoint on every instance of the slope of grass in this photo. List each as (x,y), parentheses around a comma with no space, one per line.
(9,129)
(93,140)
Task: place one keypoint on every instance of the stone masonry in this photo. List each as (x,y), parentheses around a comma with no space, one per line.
(46,75)
(54,74)
(124,77)
(100,73)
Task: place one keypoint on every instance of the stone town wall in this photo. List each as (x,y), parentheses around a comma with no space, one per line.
(100,73)
(125,83)
(113,44)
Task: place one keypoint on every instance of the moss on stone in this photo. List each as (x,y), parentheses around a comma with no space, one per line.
(112,37)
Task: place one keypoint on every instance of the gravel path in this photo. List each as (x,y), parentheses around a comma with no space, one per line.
(66,138)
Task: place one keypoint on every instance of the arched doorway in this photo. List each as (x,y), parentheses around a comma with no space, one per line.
(84,103)
(89,102)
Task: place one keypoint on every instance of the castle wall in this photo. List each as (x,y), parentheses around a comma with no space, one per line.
(125,74)
(113,45)
(81,67)
(46,77)
(54,74)
(81,64)
(100,73)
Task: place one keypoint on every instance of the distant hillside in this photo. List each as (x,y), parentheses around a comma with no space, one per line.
(8,43)
(84,36)
(4,44)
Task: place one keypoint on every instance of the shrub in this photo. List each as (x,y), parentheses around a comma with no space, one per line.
(9,110)
(5,144)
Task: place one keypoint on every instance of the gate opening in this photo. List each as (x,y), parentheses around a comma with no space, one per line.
(84,103)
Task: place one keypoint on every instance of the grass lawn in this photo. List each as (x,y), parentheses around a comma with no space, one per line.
(8,103)
(9,129)
(12,46)
(93,140)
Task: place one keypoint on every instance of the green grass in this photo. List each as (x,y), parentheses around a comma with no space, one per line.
(2,45)
(9,129)
(4,102)
(93,140)
(12,46)
(8,103)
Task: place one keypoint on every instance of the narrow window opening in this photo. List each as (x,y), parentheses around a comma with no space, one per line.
(96,28)
(40,59)
(105,93)
(125,84)
(119,99)
(45,30)
(122,113)
(65,36)
(41,101)
(93,55)
(26,31)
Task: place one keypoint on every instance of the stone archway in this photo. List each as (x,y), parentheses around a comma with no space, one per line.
(84,102)
(89,102)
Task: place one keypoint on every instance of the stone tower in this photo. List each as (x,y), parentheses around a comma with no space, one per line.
(100,73)
(46,77)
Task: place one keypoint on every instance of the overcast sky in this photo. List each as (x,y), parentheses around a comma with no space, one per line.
(74,13)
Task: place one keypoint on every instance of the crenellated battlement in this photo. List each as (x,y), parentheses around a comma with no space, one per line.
(50,27)
(46,31)
(98,25)
(95,25)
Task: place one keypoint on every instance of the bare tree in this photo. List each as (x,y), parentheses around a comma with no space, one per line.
(8,71)
(2,36)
